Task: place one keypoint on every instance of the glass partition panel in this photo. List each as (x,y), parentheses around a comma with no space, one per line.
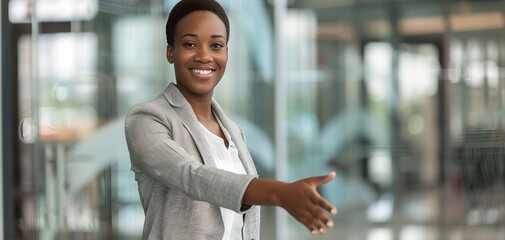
(88,63)
(404,101)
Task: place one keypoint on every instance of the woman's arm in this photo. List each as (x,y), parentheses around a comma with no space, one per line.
(299,198)
(153,152)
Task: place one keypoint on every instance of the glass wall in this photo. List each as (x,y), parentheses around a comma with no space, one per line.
(403,99)
(80,66)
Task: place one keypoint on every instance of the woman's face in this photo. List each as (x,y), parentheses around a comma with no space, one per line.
(199,53)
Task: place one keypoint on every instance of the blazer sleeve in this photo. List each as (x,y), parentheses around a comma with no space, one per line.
(154,152)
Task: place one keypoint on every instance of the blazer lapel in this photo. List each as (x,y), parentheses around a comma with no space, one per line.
(189,121)
(236,137)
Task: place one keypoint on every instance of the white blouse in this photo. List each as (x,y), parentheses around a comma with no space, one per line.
(227,159)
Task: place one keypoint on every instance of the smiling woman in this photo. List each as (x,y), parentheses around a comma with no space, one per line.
(199,53)
(195,176)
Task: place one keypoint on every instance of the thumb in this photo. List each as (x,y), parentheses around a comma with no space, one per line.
(321,180)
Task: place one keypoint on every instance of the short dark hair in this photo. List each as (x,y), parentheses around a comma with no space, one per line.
(185,7)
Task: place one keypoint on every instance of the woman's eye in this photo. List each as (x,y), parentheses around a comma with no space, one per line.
(189,44)
(217,45)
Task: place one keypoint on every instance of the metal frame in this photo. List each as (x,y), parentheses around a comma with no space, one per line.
(1,142)
(280,13)
(7,131)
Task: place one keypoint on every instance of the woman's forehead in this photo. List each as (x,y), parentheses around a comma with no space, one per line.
(200,21)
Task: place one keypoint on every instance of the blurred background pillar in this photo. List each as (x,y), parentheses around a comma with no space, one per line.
(6,131)
(280,9)
(1,166)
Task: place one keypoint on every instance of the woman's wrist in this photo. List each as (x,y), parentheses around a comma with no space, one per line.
(264,192)
(278,189)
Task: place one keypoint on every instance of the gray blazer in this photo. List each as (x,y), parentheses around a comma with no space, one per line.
(179,185)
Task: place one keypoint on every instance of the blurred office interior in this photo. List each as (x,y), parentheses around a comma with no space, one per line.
(404,99)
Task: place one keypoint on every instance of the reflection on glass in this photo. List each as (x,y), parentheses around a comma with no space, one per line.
(68,85)
(380,234)
(412,232)
(378,59)
(21,11)
(418,71)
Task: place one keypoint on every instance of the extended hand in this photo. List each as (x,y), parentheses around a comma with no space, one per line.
(299,198)
(304,203)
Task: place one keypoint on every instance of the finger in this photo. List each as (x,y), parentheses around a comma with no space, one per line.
(320,228)
(321,219)
(311,222)
(310,226)
(325,219)
(322,231)
(323,203)
(317,219)
(321,180)
(315,228)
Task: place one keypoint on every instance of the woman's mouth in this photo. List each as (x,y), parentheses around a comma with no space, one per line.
(202,73)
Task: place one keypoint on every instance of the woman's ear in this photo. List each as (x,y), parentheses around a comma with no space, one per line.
(170,54)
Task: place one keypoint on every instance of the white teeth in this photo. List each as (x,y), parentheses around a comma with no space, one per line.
(199,71)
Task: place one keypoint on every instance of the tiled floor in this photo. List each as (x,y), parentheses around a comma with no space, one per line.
(423,215)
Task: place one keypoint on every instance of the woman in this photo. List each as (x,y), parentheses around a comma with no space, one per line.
(195,176)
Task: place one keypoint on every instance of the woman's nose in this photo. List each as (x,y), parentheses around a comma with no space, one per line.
(203,55)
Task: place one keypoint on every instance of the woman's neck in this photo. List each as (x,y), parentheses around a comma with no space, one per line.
(202,109)
(201,105)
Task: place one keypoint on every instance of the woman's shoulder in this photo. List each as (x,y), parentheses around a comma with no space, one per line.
(156,108)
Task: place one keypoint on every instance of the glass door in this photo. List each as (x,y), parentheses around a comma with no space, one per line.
(78,72)
(79,67)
